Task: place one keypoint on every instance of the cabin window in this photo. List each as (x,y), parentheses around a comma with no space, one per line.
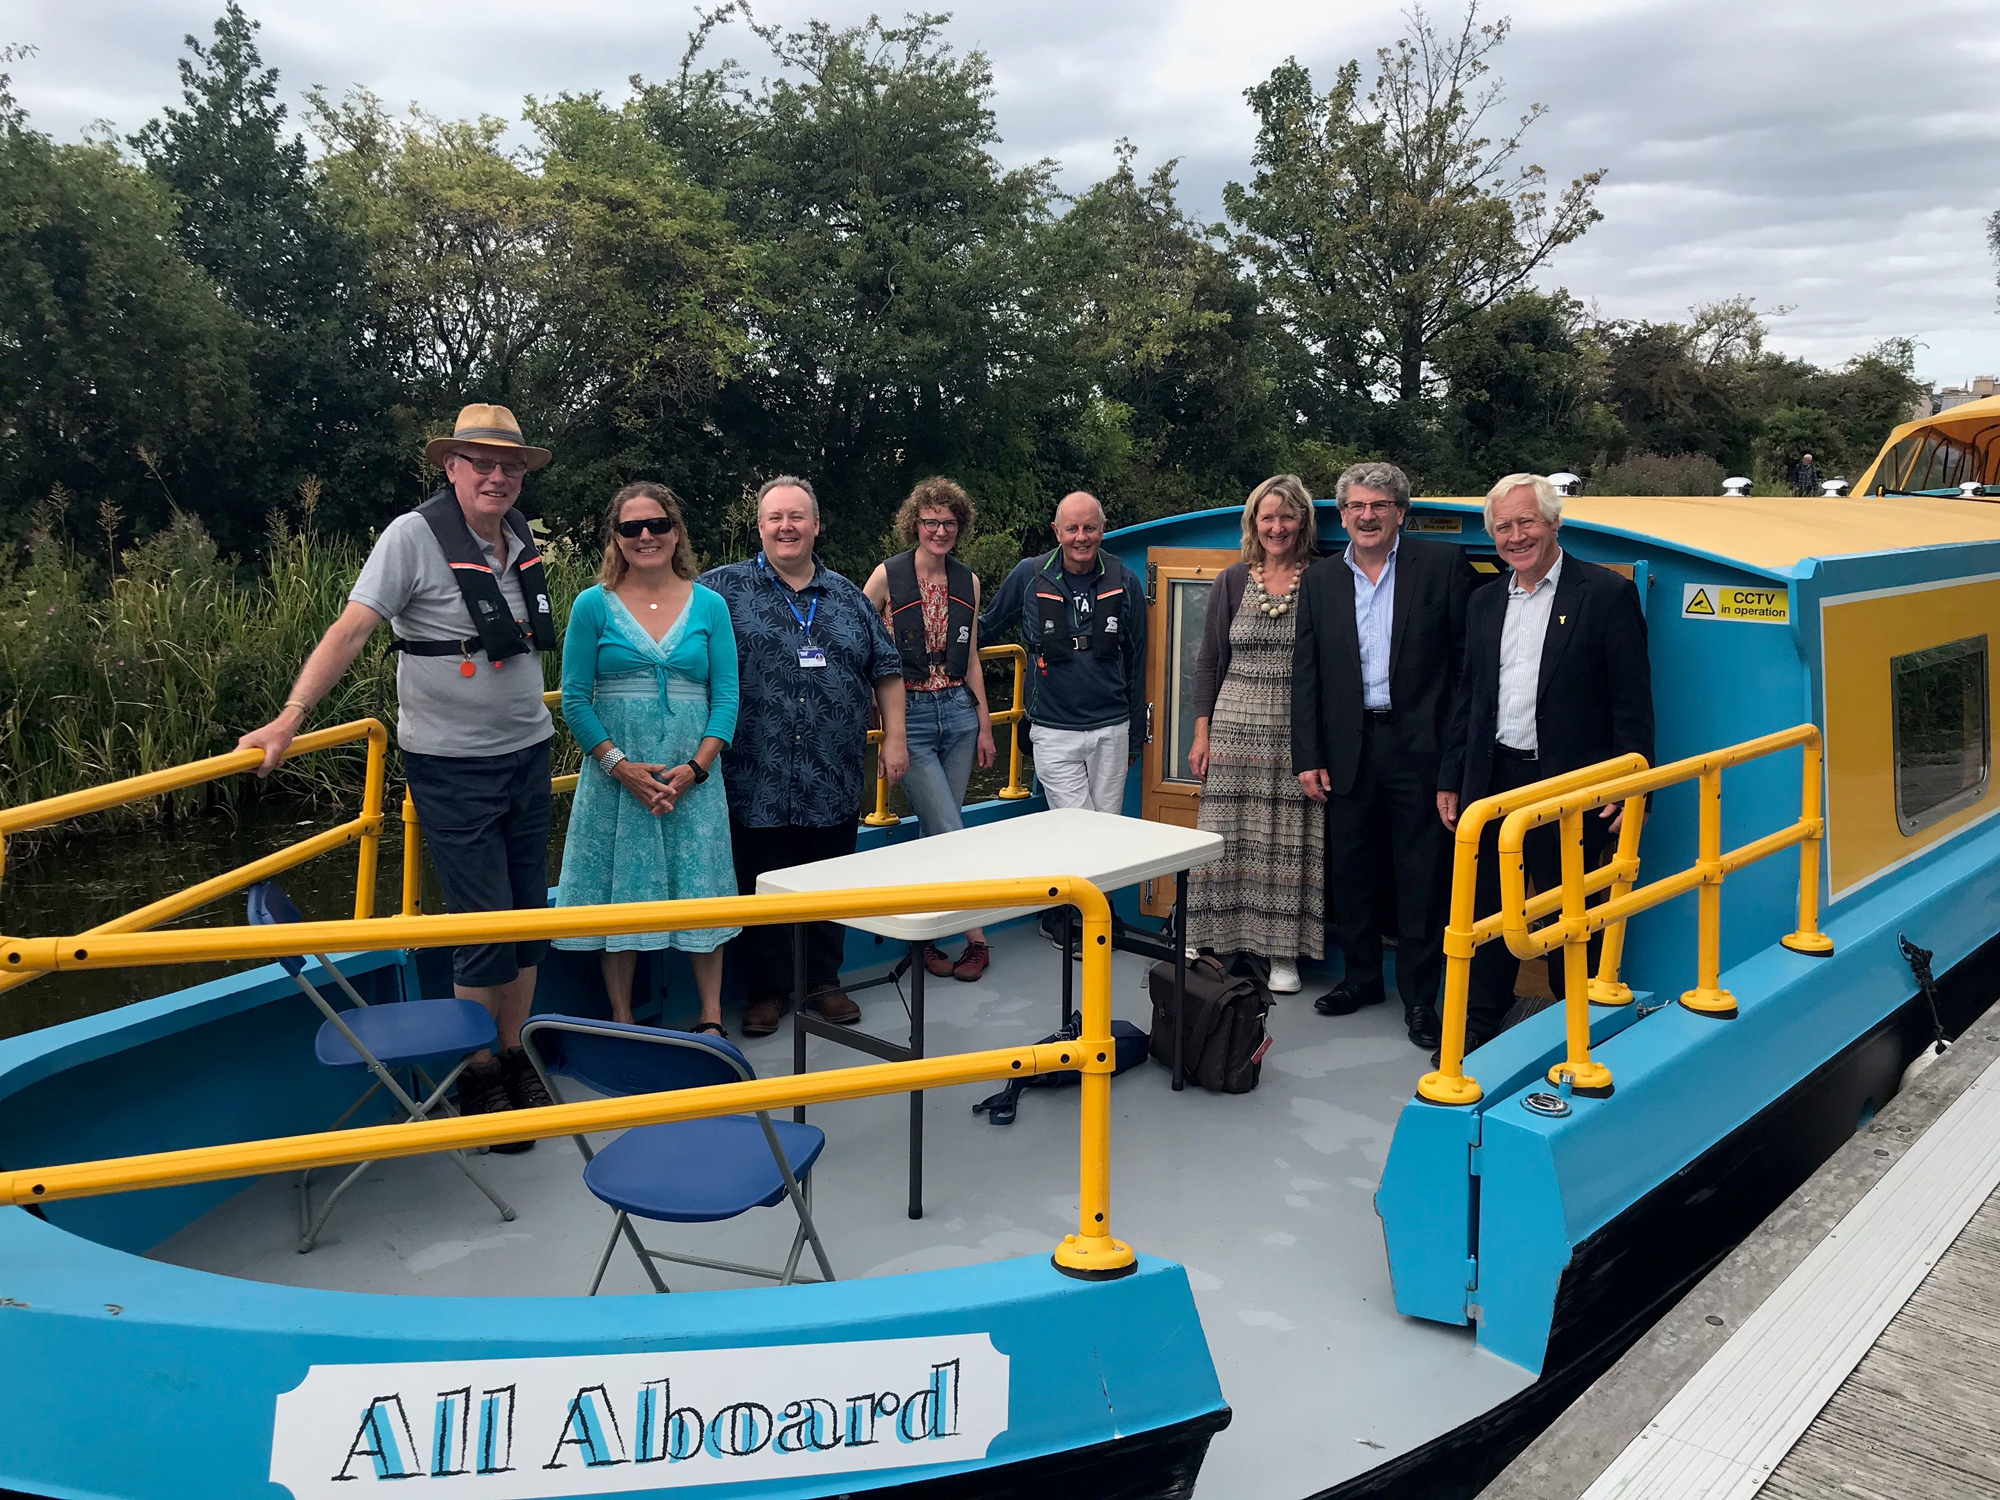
(1943,730)
(1187,609)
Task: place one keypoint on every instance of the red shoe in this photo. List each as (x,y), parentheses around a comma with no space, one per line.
(971,963)
(936,963)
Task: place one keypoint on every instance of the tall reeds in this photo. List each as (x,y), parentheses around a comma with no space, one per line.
(172,652)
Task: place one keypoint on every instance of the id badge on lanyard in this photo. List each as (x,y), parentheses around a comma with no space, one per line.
(809,654)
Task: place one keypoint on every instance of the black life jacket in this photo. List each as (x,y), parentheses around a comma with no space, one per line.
(1107,615)
(499,634)
(906,618)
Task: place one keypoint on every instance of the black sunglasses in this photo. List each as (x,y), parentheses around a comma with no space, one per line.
(658,525)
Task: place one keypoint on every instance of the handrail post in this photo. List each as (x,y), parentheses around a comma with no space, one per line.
(1449,1083)
(881,817)
(1809,940)
(1091,1254)
(413,857)
(371,834)
(1607,988)
(1708,998)
(1013,791)
(1588,1078)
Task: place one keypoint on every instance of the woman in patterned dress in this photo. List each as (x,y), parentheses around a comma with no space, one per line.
(649,691)
(945,717)
(1265,895)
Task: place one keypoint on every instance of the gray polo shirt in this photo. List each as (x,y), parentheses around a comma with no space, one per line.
(439,710)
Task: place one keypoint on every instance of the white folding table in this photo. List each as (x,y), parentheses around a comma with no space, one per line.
(1111,852)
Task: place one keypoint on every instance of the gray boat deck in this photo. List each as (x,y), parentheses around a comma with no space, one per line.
(1850,1347)
(1266,1198)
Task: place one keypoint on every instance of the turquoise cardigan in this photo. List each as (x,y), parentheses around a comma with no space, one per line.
(704,652)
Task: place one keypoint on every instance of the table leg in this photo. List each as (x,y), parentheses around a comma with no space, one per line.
(1069,981)
(917,976)
(1177,933)
(798,1009)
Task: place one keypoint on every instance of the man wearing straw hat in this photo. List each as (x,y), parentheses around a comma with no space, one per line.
(460,581)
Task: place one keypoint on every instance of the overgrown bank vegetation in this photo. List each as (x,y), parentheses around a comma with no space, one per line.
(169,658)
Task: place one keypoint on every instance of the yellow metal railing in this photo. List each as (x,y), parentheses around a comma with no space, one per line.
(1566,801)
(1090,1252)
(367,828)
(1012,717)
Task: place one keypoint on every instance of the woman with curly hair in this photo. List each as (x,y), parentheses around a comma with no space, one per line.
(649,691)
(930,602)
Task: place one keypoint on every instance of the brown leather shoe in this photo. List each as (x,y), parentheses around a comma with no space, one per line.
(936,962)
(972,962)
(834,1006)
(761,1017)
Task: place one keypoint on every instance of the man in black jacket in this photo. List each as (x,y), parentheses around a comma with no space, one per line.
(1374,670)
(1556,677)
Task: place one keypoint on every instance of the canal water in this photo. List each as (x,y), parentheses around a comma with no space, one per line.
(71,884)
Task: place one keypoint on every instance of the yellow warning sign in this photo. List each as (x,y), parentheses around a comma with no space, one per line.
(1718,601)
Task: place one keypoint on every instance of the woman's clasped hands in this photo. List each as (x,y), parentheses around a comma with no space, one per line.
(643,781)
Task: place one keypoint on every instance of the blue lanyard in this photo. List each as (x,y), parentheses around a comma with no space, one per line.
(805,620)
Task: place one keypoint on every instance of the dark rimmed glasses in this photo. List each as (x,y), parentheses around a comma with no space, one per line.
(657,525)
(512,468)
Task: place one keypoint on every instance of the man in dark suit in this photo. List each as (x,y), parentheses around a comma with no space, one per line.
(1374,670)
(1556,677)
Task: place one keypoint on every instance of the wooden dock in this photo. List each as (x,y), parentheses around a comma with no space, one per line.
(1850,1347)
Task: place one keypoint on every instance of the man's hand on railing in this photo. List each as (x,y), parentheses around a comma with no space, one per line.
(272,739)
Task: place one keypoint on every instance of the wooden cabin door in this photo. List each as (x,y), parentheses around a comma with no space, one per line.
(1178,580)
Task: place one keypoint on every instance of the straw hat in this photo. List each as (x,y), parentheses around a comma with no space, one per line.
(489,427)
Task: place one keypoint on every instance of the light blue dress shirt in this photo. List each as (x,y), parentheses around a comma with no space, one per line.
(1374,619)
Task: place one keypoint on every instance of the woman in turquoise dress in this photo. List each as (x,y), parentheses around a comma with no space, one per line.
(649,691)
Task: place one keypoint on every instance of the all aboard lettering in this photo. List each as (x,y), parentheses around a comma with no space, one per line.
(601,1423)
(1723,601)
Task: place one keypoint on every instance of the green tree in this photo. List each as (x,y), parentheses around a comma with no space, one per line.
(585,282)
(894,258)
(1383,223)
(249,215)
(1168,329)
(116,355)
(1524,383)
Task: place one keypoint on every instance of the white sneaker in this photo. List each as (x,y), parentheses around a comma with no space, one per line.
(1284,977)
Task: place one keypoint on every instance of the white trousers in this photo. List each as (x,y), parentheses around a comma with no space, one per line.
(1083,767)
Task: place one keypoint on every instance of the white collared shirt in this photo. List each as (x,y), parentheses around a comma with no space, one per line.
(1521,636)
(1374,616)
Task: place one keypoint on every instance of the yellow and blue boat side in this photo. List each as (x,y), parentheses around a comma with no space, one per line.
(1001,1376)
(1558,1236)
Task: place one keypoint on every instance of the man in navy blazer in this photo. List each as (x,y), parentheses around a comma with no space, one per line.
(1374,673)
(1556,677)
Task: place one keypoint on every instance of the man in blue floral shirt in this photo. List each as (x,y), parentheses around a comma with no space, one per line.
(815,662)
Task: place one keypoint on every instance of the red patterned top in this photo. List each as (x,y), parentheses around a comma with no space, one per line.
(937,630)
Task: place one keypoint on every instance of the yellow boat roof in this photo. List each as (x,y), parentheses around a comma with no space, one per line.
(1973,424)
(1776,533)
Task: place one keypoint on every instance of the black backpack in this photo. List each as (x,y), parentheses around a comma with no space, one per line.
(1128,1040)
(1223,1040)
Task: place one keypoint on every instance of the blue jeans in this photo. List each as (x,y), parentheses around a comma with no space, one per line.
(942,729)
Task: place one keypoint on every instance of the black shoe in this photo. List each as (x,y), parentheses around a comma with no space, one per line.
(525,1089)
(1422,1024)
(1055,937)
(1342,1001)
(482,1090)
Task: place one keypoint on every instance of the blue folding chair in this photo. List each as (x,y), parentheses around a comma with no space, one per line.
(383,1039)
(686,1171)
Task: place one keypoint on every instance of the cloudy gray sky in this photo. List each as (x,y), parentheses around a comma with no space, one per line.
(1836,159)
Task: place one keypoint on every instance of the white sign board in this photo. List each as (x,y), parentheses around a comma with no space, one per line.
(599,1423)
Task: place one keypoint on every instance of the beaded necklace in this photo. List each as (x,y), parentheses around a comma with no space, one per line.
(1274,606)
